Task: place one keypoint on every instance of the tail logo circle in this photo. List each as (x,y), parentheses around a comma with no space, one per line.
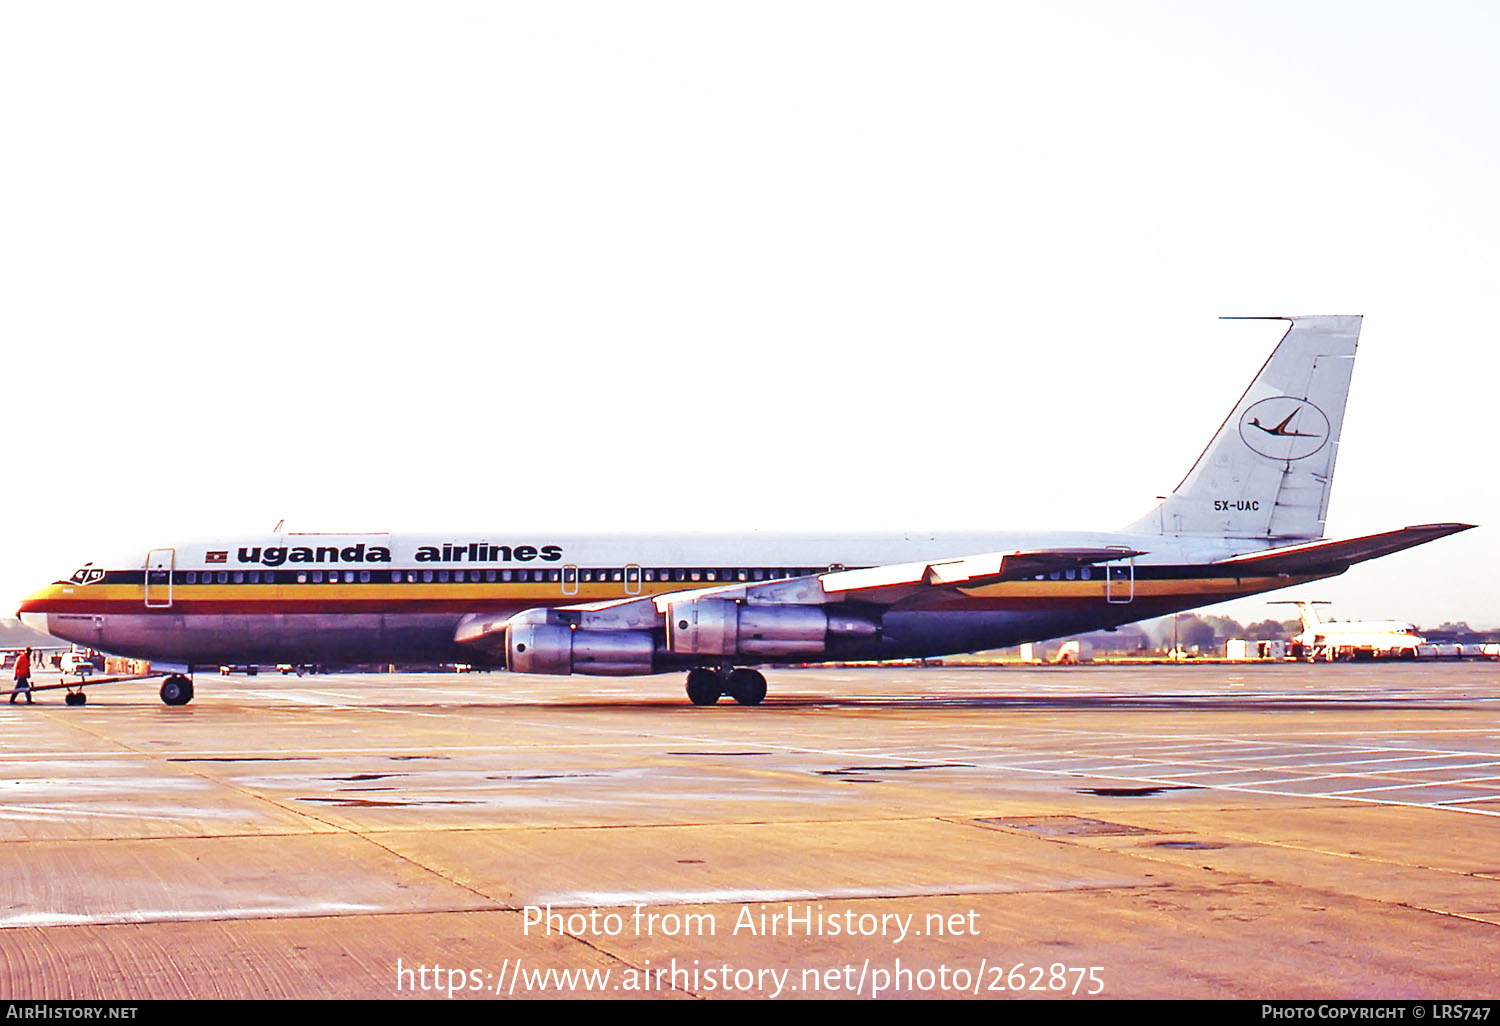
(1284,428)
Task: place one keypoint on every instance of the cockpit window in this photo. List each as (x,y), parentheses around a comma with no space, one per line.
(87,574)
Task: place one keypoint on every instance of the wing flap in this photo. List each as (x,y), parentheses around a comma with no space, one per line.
(987,568)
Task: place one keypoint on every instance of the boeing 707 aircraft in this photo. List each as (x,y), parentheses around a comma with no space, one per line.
(1247,518)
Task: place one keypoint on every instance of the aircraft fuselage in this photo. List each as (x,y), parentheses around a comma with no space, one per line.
(383,598)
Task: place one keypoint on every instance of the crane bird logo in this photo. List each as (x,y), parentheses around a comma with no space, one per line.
(1284,428)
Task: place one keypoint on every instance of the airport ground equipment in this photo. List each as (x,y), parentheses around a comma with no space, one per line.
(176,689)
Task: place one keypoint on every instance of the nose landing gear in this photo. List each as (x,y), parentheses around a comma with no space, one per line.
(745,686)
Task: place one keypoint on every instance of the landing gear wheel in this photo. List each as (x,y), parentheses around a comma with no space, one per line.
(703,687)
(747,686)
(177,690)
(75,698)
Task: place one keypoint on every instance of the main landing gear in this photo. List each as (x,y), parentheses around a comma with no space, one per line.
(745,686)
(177,690)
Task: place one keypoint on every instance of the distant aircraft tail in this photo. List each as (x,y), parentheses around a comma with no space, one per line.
(1306,611)
(1268,471)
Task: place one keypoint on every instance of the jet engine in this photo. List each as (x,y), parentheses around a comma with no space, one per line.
(626,640)
(723,627)
(562,649)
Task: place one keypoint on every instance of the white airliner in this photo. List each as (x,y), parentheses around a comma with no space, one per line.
(1351,639)
(1247,518)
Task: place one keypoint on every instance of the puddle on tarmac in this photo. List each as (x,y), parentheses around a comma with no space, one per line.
(845,771)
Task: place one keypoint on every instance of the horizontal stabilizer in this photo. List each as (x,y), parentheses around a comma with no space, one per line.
(1336,556)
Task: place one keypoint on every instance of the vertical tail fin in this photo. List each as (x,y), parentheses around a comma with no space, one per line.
(1307,611)
(1268,471)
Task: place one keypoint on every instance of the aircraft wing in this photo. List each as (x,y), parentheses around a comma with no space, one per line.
(880,586)
(1336,556)
(887,585)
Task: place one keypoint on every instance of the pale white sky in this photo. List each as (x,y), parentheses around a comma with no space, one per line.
(675,266)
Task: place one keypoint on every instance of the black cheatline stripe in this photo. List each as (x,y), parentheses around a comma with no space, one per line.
(552,575)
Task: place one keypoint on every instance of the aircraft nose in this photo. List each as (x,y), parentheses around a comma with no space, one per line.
(36,621)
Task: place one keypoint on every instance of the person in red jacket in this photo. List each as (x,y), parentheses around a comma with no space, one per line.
(23,677)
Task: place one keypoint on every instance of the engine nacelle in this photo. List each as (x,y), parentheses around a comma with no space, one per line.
(722,627)
(562,649)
